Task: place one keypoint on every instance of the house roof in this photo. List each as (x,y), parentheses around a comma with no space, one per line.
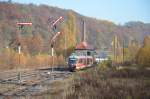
(84,46)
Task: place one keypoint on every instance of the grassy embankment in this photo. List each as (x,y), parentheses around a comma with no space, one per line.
(103,83)
(108,83)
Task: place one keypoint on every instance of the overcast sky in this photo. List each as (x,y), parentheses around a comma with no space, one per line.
(118,11)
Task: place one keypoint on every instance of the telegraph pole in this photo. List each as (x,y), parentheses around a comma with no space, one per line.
(65,49)
(114,50)
(123,51)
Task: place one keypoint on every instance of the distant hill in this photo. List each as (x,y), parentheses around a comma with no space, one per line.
(99,32)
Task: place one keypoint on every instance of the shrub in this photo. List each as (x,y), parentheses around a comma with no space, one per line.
(143,57)
(116,85)
(105,64)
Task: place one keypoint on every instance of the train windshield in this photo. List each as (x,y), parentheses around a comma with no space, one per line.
(72,61)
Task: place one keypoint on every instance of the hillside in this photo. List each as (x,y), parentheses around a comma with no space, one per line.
(99,32)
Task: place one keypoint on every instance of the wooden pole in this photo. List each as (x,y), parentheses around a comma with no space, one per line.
(19,73)
(113,63)
(123,52)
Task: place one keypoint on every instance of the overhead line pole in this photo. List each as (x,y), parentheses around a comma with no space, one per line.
(123,52)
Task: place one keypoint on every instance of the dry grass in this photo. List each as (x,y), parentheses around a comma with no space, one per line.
(109,84)
(102,84)
(95,83)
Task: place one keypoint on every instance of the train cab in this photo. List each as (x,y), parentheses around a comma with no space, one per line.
(72,62)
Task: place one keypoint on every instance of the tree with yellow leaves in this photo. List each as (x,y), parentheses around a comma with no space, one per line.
(66,42)
(143,56)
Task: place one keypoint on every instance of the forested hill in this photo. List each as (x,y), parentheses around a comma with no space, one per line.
(99,32)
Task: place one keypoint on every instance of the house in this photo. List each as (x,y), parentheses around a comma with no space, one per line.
(84,49)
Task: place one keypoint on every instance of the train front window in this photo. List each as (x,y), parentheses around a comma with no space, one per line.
(72,61)
(88,53)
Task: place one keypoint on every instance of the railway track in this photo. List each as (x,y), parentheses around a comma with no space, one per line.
(32,82)
(19,75)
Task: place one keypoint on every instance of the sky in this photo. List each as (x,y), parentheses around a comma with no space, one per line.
(117,11)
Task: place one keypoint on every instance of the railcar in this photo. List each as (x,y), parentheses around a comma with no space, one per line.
(77,62)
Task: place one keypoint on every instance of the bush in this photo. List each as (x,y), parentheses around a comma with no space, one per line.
(143,57)
(105,64)
(116,85)
(10,59)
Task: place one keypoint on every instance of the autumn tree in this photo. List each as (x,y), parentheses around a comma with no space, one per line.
(6,58)
(143,55)
(117,50)
(133,49)
(35,44)
(146,41)
(67,40)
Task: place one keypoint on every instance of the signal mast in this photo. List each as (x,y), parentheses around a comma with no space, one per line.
(21,25)
(53,26)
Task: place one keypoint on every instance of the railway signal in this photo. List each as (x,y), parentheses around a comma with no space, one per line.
(21,25)
(53,26)
(24,23)
(56,21)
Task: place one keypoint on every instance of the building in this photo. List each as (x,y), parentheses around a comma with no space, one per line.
(83,48)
